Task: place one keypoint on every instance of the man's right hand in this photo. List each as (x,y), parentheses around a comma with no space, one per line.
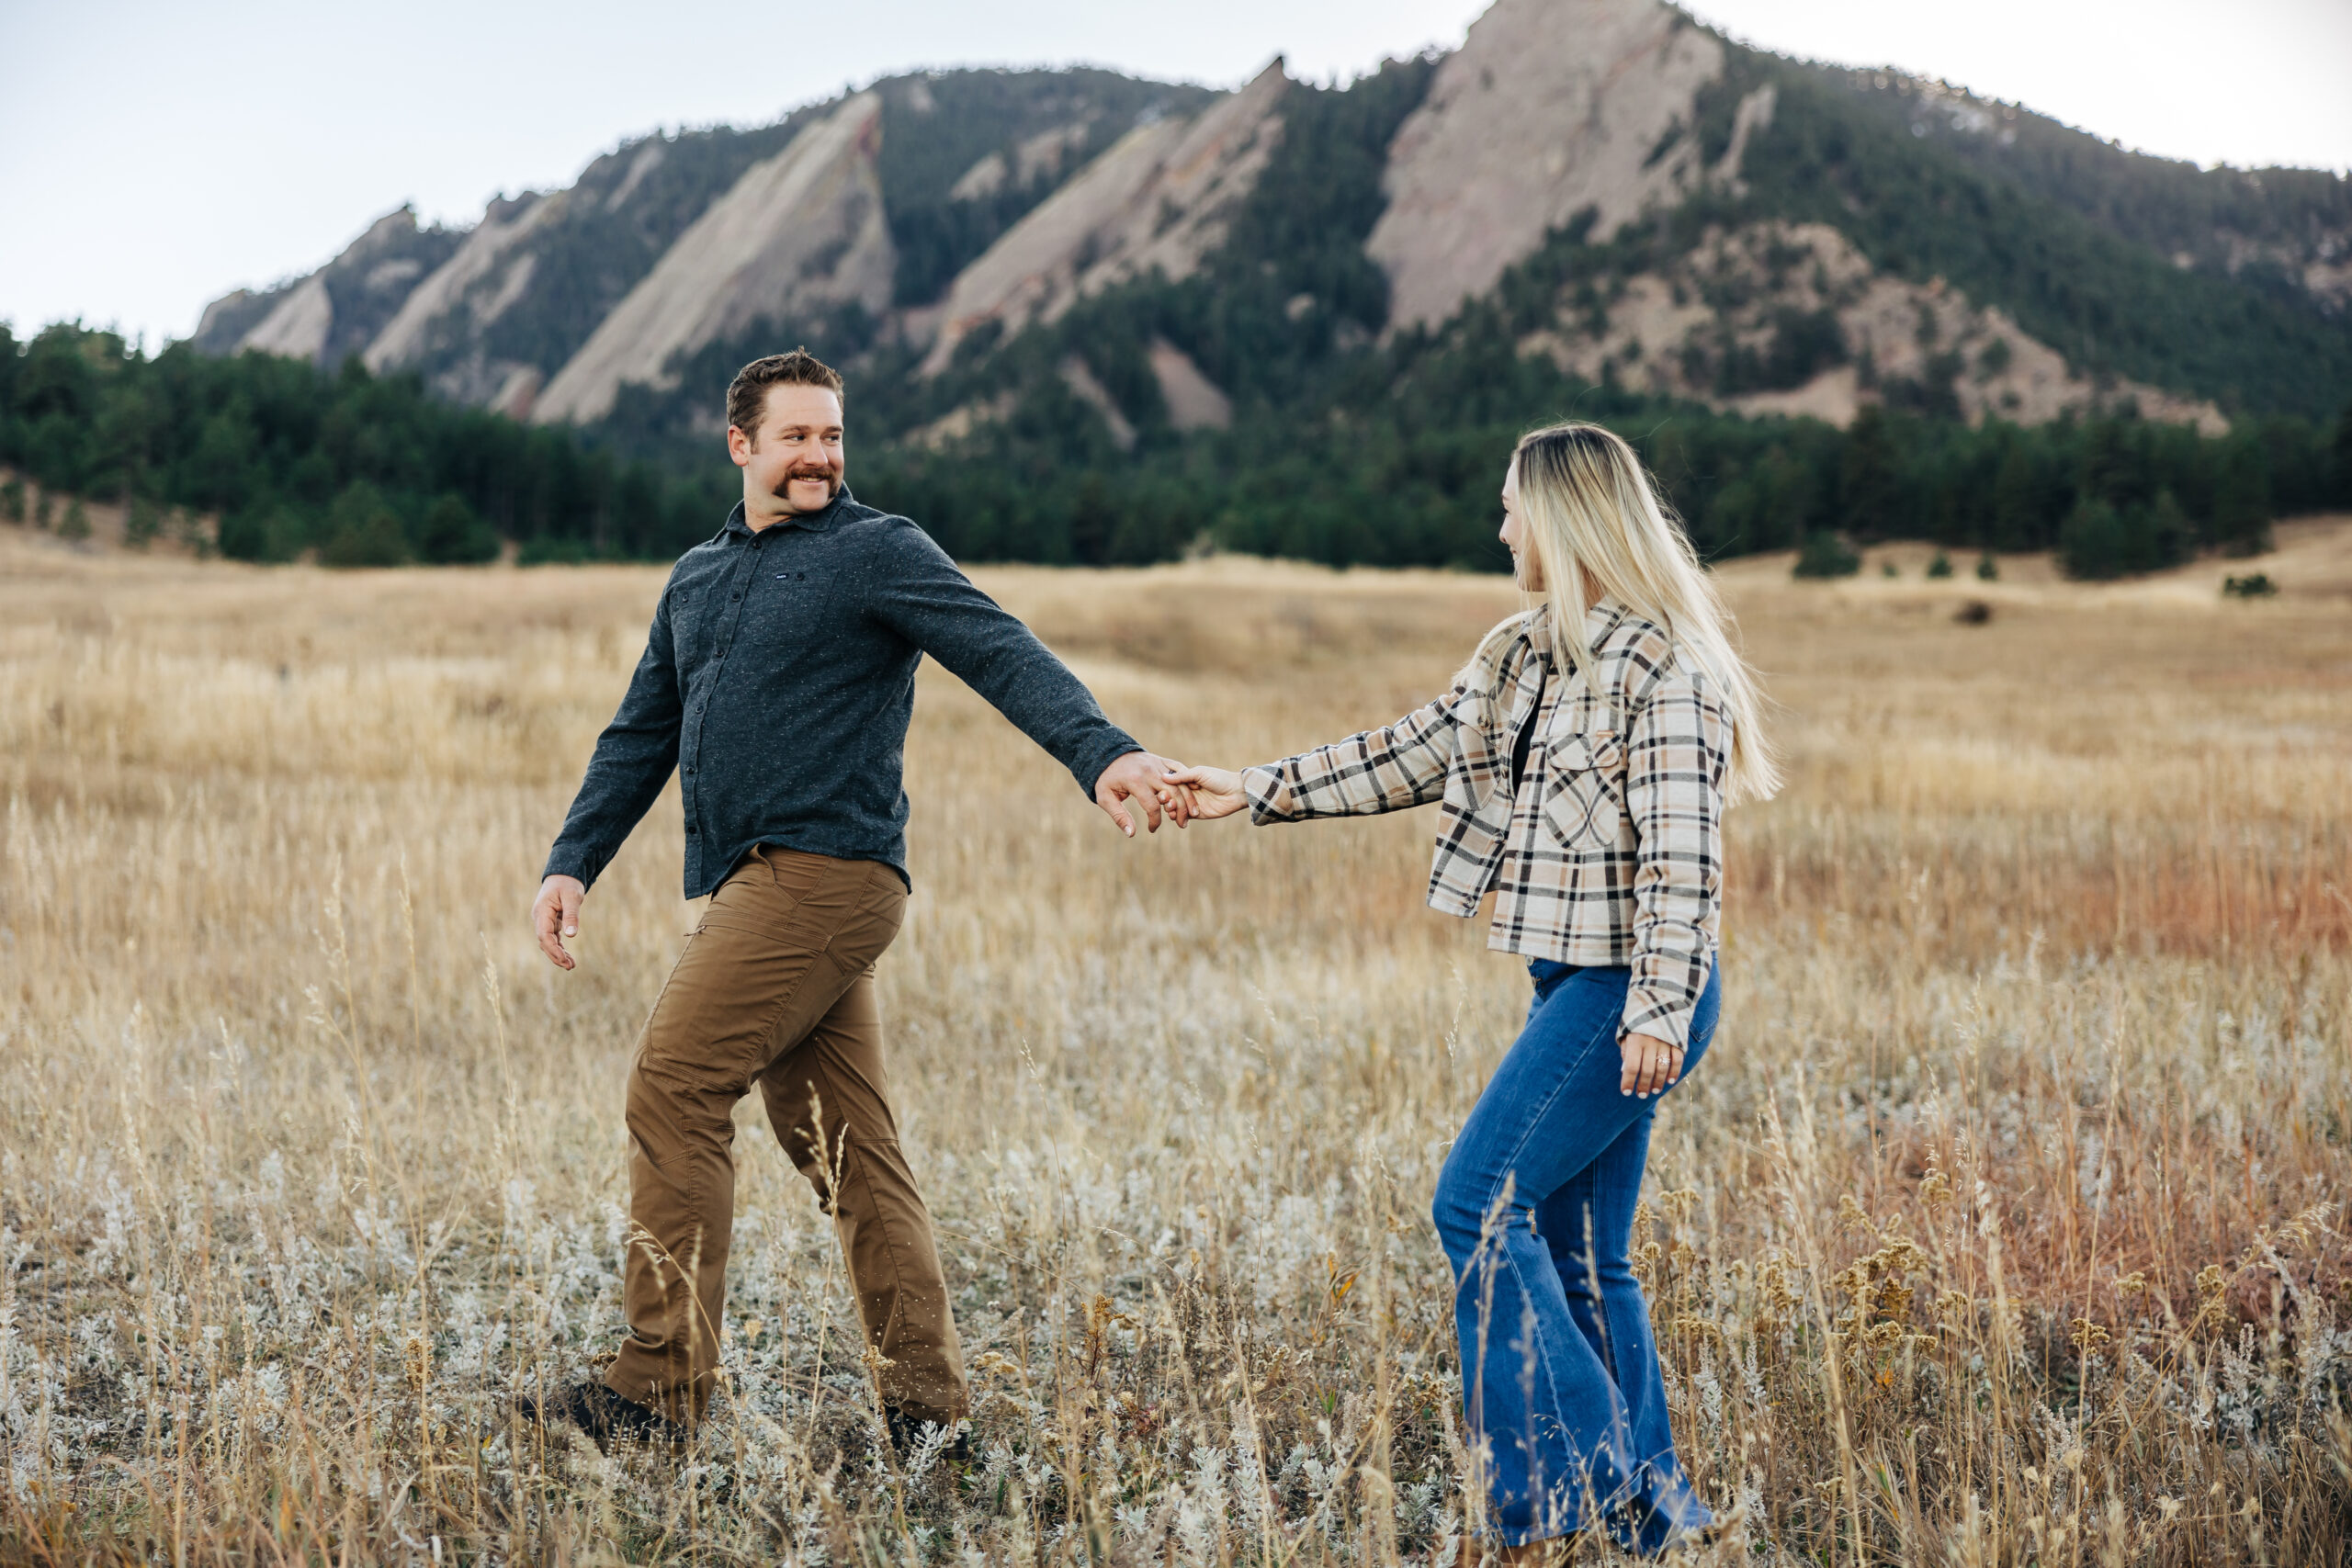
(557,915)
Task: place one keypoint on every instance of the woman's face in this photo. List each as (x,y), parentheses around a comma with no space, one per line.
(1526,567)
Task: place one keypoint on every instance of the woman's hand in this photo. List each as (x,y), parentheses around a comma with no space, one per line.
(1651,1064)
(1208,793)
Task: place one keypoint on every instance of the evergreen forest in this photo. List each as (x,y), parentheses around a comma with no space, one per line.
(369,470)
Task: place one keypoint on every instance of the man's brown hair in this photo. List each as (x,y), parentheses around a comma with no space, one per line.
(747,395)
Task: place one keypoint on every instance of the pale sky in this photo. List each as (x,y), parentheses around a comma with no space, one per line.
(153,155)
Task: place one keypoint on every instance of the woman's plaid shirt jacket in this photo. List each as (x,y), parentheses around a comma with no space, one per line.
(1610,851)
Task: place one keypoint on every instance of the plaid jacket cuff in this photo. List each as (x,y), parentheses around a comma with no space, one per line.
(1269,793)
(1662,1008)
(1660,1017)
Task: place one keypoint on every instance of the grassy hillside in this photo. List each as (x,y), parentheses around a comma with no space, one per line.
(2078,246)
(2239,222)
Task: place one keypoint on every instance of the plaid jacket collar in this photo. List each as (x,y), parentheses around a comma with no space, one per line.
(1523,693)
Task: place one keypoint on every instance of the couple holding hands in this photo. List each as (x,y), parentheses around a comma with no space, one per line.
(1580,762)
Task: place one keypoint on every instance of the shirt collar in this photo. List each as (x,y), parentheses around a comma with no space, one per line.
(815,522)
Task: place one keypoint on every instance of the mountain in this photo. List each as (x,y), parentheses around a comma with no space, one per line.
(1301,317)
(798,232)
(1546,112)
(1156,201)
(1806,238)
(499,312)
(339,310)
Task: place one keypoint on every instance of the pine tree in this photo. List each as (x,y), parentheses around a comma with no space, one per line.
(363,530)
(142,522)
(1826,555)
(2017,511)
(1872,483)
(452,535)
(2342,455)
(2242,498)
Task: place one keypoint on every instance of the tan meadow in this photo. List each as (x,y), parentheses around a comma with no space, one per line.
(2002,1224)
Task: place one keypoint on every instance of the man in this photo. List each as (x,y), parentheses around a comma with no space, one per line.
(778,679)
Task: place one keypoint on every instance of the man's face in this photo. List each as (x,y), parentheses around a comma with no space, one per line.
(794,455)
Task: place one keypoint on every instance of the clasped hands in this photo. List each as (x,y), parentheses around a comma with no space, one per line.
(1186,794)
(1161,787)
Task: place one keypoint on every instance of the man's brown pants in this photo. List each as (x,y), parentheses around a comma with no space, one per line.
(776,987)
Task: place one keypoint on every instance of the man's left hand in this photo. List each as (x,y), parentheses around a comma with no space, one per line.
(1134,779)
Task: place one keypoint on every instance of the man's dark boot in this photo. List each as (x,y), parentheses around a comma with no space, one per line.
(603,1416)
(912,1435)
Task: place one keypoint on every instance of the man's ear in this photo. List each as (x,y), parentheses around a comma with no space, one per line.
(738,446)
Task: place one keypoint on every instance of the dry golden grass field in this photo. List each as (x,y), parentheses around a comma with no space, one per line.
(2003,1224)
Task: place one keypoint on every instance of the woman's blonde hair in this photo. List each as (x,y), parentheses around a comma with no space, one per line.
(1590,511)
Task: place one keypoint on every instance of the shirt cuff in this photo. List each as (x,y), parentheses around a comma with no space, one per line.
(569,862)
(1089,770)
(1269,793)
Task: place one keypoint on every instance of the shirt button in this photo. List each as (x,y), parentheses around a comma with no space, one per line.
(737,595)
(690,770)
(692,830)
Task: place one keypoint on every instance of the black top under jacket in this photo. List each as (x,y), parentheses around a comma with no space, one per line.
(778,679)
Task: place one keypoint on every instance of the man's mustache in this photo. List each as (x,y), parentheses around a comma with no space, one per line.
(825,475)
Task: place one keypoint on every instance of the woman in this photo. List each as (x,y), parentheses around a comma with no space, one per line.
(1581,764)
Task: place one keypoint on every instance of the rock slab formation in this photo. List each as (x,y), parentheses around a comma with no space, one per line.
(1549,108)
(1161,197)
(800,230)
(450,309)
(337,309)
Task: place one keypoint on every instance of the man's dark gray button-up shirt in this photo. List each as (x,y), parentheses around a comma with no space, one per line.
(778,679)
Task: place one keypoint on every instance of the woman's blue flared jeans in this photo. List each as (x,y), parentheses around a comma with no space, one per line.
(1535,1206)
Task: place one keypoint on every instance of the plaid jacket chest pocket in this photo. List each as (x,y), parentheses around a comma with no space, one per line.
(1584,791)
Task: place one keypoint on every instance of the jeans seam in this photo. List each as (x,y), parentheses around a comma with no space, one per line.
(1536,1338)
(1509,1165)
(1528,1133)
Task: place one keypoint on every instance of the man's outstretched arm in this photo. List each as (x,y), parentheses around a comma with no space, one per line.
(922,596)
(632,762)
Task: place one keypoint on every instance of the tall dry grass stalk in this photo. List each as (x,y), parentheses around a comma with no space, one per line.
(2001,1225)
